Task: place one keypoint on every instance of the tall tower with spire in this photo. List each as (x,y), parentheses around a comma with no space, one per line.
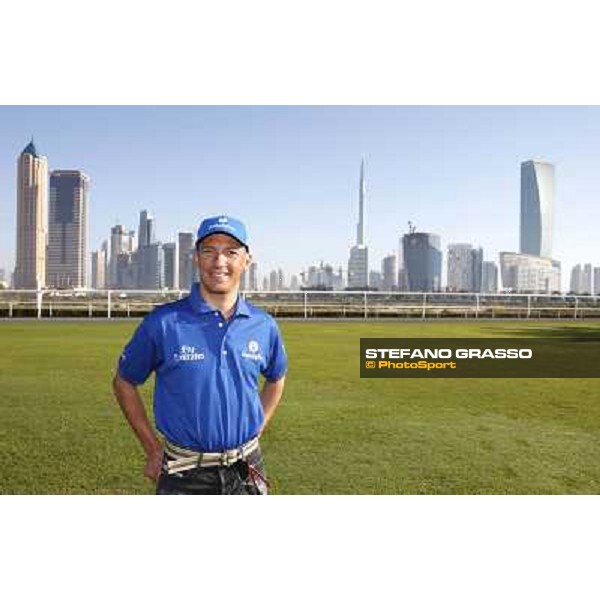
(32,219)
(358,263)
(360,228)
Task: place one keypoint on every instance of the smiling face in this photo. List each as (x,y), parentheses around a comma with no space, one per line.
(221,261)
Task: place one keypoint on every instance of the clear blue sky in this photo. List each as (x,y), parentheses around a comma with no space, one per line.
(292,173)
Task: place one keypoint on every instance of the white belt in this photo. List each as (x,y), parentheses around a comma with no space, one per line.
(184,459)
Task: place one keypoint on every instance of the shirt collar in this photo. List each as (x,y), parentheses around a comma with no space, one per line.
(200,306)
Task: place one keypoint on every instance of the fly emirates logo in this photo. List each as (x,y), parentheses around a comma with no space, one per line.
(188,354)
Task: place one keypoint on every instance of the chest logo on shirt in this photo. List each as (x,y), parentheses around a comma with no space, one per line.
(188,354)
(253,352)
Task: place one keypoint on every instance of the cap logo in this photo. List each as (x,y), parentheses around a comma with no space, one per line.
(222,219)
(222,226)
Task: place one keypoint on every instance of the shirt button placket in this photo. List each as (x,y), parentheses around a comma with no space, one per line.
(223,357)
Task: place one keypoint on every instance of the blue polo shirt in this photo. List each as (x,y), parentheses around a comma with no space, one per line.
(206,392)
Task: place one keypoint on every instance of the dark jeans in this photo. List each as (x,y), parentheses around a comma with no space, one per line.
(236,479)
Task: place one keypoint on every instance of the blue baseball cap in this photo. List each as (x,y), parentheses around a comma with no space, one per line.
(223,224)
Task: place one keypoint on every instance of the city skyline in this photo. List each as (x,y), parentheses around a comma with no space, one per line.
(156,265)
(290,173)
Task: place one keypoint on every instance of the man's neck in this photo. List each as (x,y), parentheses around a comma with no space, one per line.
(224,303)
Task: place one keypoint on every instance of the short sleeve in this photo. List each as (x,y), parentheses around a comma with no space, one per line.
(139,357)
(278,364)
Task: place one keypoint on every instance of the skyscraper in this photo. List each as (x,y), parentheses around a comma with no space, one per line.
(402,275)
(151,267)
(253,276)
(122,241)
(66,265)
(375,280)
(171,258)
(581,279)
(575,283)
(587,279)
(464,268)
(423,261)
(360,227)
(99,269)
(146,230)
(489,277)
(358,267)
(104,250)
(126,271)
(358,264)
(185,260)
(537,208)
(244,281)
(460,271)
(389,272)
(32,219)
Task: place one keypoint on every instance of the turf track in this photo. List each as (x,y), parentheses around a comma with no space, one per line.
(62,432)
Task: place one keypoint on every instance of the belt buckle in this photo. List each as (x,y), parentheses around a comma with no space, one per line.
(227,459)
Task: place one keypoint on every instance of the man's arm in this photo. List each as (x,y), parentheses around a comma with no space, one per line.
(269,397)
(133,408)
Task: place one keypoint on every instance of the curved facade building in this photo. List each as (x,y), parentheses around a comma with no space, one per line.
(537,208)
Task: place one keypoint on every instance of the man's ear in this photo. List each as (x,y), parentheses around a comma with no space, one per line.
(248,261)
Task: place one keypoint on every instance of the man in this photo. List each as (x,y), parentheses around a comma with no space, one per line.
(207,351)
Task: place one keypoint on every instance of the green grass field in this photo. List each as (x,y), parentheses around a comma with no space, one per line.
(61,431)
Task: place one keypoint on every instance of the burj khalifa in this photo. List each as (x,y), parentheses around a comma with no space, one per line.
(358,264)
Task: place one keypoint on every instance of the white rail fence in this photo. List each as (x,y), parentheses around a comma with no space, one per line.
(114,304)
